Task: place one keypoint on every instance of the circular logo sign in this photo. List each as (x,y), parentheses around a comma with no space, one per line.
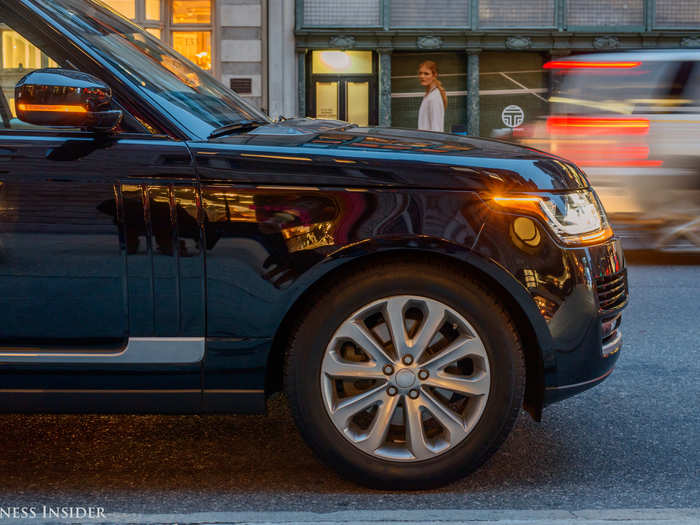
(513,116)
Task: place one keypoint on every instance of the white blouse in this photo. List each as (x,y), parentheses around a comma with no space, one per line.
(431,115)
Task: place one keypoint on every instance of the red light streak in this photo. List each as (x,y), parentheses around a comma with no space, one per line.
(597,126)
(580,64)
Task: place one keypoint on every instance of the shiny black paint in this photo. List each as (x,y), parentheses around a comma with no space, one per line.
(224,238)
(266,246)
(561,282)
(373,157)
(71,270)
(163,240)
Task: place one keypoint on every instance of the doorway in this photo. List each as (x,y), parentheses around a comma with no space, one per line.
(344,87)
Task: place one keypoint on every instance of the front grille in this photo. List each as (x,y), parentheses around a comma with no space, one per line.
(612,291)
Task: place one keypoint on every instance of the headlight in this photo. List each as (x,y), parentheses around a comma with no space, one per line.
(576,218)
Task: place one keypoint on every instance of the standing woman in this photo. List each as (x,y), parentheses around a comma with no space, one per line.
(431,115)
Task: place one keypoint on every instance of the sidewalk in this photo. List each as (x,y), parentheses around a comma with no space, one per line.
(410,517)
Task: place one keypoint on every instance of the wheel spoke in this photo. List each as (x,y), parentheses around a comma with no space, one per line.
(380,426)
(355,404)
(414,429)
(468,386)
(361,336)
(459,349)
(333,366)
(395,320)
(429,327)
(446,417)
(429,425)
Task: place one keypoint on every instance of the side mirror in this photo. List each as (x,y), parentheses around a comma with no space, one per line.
(63,97)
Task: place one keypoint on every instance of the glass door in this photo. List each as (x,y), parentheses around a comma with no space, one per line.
(343,86)
(327,100)
(357,102)
(351,100)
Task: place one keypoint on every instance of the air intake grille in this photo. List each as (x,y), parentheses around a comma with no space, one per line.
(612,291)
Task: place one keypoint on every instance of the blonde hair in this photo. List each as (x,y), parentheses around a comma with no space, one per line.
(432,66)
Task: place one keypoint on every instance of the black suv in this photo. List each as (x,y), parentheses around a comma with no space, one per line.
(165,247)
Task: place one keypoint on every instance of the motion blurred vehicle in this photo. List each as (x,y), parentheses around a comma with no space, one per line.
(631,120)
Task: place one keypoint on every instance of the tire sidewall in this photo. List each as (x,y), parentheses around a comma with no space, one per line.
(465,297)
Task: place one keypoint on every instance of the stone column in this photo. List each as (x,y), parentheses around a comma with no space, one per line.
(301,82)
(384,86)
(556,54)
(242,49)
(473,92)
(282,59)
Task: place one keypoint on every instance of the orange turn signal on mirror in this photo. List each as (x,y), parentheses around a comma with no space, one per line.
(58,108)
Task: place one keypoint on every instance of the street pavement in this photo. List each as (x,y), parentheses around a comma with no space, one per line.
(626,451)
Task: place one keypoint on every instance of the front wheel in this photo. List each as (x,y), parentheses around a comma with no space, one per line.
(405,376)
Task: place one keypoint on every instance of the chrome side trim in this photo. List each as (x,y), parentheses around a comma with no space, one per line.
(234,391)
(97,391)
(127,391)
(584,383)
(139,350)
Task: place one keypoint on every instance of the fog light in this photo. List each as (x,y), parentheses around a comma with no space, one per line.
(526,230)
(609,326)
(611,335)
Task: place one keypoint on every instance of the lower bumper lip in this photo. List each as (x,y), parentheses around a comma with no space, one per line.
(583,383)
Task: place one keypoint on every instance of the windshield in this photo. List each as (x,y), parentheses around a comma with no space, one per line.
(193,97)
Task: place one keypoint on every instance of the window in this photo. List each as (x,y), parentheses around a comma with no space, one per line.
(677,13)
(198,102)
(186,25)
(19,57)
(605,12)
(342,13)
(525,13)
(429,13)
(341,62)
(343,83)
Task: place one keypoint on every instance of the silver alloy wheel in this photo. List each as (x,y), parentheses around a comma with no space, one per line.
(405,378)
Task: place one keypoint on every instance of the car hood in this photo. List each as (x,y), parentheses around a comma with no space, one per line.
(375,156)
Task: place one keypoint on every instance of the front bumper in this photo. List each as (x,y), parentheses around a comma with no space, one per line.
(573,298)
(582,366)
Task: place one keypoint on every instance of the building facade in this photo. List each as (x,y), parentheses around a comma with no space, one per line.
(357,59)
(225,37)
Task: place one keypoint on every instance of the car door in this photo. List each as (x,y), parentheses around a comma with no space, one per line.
(101,271)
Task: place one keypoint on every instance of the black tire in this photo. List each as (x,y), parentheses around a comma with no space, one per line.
(461,292)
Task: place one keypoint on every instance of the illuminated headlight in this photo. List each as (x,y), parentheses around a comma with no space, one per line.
(576,218)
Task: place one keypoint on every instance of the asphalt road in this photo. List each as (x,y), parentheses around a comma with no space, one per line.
(633,442)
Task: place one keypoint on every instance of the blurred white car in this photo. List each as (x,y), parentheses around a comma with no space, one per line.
(631,120)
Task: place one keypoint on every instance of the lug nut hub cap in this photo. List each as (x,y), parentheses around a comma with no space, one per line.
(405,378)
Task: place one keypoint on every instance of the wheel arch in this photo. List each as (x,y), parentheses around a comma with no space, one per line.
(536,340)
